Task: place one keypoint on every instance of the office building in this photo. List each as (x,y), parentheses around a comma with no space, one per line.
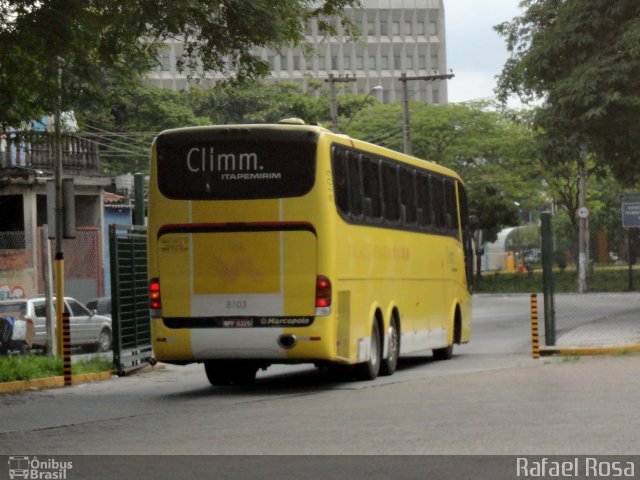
(396,37)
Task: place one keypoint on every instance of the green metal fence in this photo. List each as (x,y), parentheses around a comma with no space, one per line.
(129,297)
(607,313)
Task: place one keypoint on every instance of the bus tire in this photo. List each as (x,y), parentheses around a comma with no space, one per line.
(230,373)
(443,353)
(216,372)
(369,370)
(390,364)
(447,352)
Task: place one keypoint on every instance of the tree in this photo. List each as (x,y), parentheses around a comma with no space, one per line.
(84,42)
(125,126)
(255,102)
(581,57)
(128,122)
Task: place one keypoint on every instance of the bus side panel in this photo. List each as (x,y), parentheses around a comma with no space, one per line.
(418,274)
(168,344)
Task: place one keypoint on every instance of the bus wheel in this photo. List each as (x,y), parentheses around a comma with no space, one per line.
(230,373)
(443,353)
(244,374)
(369,370)
(390,363)
(217,373)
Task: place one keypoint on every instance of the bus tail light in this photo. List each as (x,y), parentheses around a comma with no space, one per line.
(323,296)
(155,299)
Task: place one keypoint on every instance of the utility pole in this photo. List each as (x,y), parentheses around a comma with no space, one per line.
(65,226)
(59,257)
(583,218)
(405,104)
(334,101)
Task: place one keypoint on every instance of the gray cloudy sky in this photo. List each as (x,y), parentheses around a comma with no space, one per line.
(475,52)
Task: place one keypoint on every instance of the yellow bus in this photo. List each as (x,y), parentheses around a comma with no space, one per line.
(288,243)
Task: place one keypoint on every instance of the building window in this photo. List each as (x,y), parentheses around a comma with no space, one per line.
(384,28)
(371,28)
(420,28)
(385,62)
(359,62)
(408,28)
(434,62)
(433,28)
(396,28)
(397,62)
(165,60)
(409,63)
(422,62)
(372,61)
(347,62)
(334,62)
(296,62)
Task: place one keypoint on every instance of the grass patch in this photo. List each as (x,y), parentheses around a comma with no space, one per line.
(600,279)
(27,367)
(625,353)
(571,359)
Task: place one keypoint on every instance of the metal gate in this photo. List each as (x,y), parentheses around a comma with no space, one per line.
(129,298)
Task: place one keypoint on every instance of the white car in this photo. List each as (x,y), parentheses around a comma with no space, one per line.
(87,328)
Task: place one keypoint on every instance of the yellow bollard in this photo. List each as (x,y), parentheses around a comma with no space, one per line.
(66,348)
(535,338)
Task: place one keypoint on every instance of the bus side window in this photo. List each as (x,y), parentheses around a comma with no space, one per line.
(466,234)
(371,186)
(390,193)
(450,206)
(355,182)
(425,210)
(438,203)
(340,180)
(408,196)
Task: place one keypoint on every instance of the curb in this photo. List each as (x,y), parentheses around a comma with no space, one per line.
(573,351)
(52,382)
(58,381)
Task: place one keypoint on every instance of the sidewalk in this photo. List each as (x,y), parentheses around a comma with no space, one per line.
(592,324)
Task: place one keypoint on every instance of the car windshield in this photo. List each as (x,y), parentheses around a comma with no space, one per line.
(13,307)
(102,305)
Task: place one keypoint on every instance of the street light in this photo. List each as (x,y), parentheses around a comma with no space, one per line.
(377,88)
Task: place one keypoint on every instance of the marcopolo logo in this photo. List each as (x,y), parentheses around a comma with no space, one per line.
(38,469)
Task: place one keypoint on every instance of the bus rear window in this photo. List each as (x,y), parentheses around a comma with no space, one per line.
(217,164)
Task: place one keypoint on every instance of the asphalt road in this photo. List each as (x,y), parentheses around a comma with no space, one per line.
(491,398)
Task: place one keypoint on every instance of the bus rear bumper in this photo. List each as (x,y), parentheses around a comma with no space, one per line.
(272,344)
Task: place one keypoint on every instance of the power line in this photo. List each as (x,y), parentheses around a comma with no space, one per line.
(106,133)
(122,150)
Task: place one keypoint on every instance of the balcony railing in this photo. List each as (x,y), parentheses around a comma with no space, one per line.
(37,150)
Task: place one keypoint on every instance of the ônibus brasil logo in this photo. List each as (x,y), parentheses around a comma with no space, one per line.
(38,469)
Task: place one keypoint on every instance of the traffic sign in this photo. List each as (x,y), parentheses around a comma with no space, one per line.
(583,212)
(631,215)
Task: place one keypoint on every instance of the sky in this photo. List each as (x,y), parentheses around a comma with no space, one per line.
(475,52)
